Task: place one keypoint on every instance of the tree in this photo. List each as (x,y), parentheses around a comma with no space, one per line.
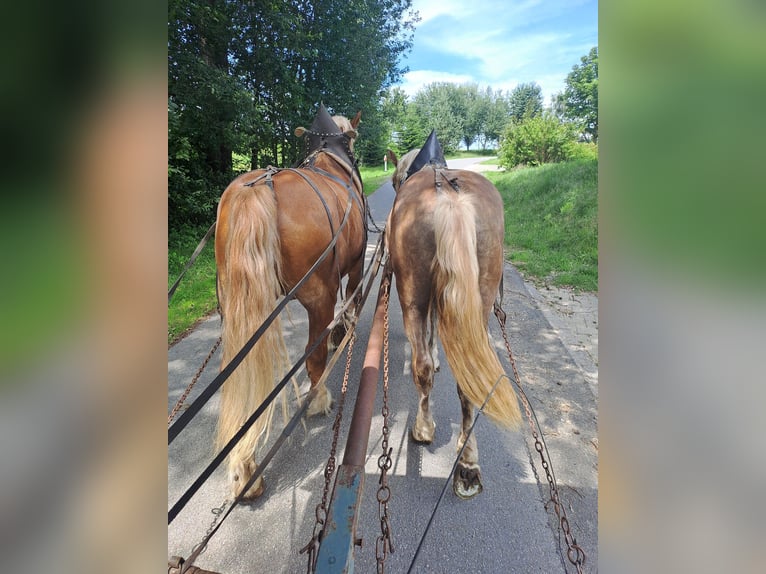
(393,106)
(438,106)
(475,113)
(558,106)
(243,74)
(581,95)
(498,113)
(206,104)
(526,101)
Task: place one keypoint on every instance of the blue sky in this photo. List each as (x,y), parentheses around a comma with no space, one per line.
(500,43)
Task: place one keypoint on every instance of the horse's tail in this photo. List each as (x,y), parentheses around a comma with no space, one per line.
(249,272)
(461,317)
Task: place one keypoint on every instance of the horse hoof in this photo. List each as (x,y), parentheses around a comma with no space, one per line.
(420,437)
(466,482)
(253,492)
(321,405)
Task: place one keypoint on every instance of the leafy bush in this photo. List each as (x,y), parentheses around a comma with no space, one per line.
(535,141)
(583,150)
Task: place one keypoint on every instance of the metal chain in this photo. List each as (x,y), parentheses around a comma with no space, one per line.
(575,553)
(312,548)
(384,543)
(194,380)
(202,546)
(375,227)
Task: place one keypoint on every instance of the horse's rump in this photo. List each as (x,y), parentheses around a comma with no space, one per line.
(452,222)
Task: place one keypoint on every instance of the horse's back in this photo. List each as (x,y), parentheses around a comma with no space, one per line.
(310,208)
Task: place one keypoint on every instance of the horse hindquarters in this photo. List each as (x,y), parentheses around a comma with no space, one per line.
(248,261)
(462,321)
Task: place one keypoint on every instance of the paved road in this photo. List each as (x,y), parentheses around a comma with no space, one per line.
(505,529)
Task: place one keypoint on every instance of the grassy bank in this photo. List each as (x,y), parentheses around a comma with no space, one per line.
(195,297)
(551,221)
(373,177)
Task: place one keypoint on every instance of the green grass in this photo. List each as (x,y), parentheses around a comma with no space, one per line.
(473,153)
(374,177)
(195,297)
(551,222)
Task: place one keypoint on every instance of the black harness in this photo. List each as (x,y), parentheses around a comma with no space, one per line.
(330,143)
(431,156)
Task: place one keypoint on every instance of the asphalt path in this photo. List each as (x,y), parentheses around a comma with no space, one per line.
(505,529)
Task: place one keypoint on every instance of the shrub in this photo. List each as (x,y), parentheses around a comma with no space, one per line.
(535,141)
(583,150)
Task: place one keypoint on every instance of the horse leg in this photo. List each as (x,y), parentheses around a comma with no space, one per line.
(320,315)
(422,372)
(354,278)
(466,482)
(432,339)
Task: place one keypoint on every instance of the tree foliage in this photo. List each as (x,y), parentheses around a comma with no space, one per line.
(535,141)
(580,98)
(242,74)
(460,114)
(525,101)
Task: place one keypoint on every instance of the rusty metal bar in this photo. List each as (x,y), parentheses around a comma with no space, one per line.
(359,432)
(336,551)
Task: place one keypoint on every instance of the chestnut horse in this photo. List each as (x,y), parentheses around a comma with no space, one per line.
(445,239)
(272,226)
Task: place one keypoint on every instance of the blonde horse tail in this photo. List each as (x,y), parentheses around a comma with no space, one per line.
(462,322)
(249,272)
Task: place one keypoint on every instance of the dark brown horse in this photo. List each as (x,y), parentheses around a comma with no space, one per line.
(445,238)
(272,226)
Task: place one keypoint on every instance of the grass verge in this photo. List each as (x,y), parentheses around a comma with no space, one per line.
(374,177)
(551,222)
(195,297)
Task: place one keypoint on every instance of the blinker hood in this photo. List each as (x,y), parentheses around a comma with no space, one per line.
(431,153)
(324,133)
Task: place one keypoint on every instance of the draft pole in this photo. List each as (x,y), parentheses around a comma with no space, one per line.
(336,550)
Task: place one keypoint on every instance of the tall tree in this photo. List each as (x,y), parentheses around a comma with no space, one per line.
(475,113)
(498,115)
(205,105)
(441,108)
(242,74)
(526,101)
(581,94)
(394,109)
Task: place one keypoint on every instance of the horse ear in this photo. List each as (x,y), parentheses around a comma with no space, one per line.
(392,157)
(357,117)
(352,134)
(300,131)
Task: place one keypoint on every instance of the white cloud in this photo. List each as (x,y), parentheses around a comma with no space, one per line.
(511,41)
(430,9)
